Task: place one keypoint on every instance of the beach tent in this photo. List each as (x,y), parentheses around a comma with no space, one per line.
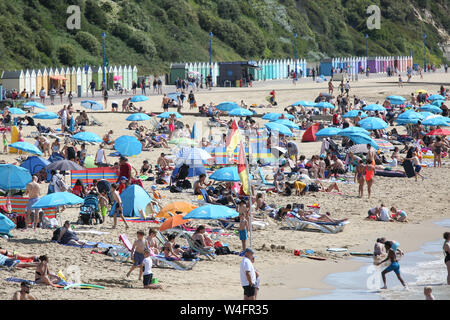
(35,164)
(310,133)
(134,198)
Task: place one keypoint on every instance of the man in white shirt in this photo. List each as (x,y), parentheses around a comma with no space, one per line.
(248,274)
(384,214)
(100,157)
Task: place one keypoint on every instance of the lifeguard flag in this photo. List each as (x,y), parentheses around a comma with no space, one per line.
(233,138)
(242,170)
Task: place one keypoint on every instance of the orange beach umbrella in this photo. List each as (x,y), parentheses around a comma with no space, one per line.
(173,222)
(173,207)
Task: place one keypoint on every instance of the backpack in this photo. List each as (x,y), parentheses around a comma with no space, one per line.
(185,184)
(313,187)
(56,234)
(20,222)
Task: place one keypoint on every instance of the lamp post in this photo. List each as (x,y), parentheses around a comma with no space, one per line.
(367,50)
(295,52)
(424,53)
(104,59)
(210,54)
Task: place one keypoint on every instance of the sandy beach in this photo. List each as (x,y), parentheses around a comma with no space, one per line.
(282,273)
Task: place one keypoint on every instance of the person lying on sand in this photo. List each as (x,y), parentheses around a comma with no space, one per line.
(315,217)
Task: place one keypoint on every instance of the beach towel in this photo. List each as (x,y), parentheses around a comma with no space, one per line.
(91,245)
(20,280)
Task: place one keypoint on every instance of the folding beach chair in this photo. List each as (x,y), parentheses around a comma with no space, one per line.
(297,223)
(193,245)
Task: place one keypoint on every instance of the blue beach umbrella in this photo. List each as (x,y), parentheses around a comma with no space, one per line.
(438,103)
(57,199)
(272,126)
(400,98)
(304,103)
(226,174)
(128,146)
(47,115)
(363,139)
(166,115)
(91,104)
(353,130)
(240,112)
(211,212)
(437,121)
(13,177)
(328,132)
(34,104)
(373,123)
(227,106)
(354,114)
(273,116)
(87,136)
(324,105)
(16,111)
(139,98)
(374,107)
(435,97)
(430,108)
(6,225)
(138,117)
(288,123)
(26,147)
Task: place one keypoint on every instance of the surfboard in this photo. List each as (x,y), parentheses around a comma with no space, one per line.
(14,138)
(364,254)
(83,285)
(316,258)
(337,249)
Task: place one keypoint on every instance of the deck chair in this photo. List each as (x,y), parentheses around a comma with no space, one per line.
(297,223)
(263,184)
(193,245)
(8,263)
(94,122)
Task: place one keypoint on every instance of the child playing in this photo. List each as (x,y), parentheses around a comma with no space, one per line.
(146,269)
(398,215)
(137,251)
(152,243)
(103,203)
(428,292)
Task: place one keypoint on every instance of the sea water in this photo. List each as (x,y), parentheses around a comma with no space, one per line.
(419,269)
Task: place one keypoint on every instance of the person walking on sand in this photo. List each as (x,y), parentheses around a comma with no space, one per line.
(24,293)
(105,98)
(370,173)
(360,172)
(394,266)
(446,248)
(137,252)
(119,208)
(243,227)
(248,274)
(34,193)
(417,166)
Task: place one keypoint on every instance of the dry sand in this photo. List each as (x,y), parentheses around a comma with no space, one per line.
(282,272)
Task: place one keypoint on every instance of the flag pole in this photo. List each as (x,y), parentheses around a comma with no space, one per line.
(250,193)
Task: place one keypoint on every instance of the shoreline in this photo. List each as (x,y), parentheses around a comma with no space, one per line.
(312,280)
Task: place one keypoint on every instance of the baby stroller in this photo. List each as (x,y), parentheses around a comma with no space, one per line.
(89,210)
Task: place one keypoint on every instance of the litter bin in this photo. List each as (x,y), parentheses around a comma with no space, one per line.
(79,92)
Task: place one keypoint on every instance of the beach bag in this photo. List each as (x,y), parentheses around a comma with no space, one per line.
(189,255)
(20,222)
(313,187)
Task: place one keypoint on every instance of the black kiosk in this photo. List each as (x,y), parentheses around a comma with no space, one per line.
(236,74)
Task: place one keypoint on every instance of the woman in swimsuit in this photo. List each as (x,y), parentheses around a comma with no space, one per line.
(171,125)
(437,149)
(43,275)
(171,250)
(370,173)
(360,172)
(447,254)
(201,238)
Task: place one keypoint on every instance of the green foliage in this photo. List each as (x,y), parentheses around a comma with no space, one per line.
(67,55)
(88,42)
(154,33)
